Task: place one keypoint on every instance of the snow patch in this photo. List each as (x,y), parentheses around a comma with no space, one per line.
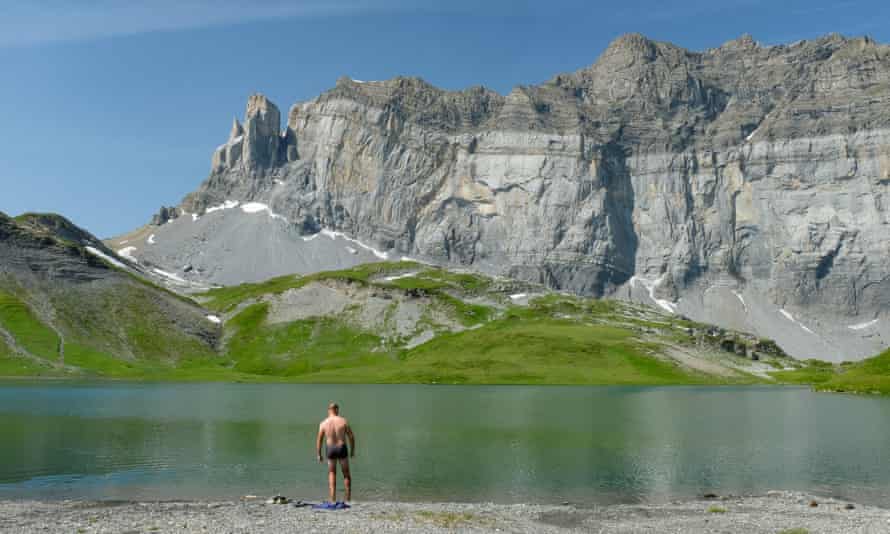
(98,253)
(214,319)
(399,277)
(151,239)
(795,321)
(650,286)
(227,205)
(170,276)
(258,207)
(254,207)
(863,326)
(518,296)
(125,241)
(127,253)
(334,235)
(741,299)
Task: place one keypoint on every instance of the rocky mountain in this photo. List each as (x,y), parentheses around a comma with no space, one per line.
(743,185)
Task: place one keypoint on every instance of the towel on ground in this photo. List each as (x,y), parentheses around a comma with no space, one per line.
(339,505)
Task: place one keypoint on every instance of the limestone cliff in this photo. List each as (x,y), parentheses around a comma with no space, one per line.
(744,185)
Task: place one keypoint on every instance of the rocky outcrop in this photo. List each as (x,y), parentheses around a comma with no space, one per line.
(744,185)
(257,145)
(164,215)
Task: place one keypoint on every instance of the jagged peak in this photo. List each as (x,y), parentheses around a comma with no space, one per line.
(859,42)
(636,47)
(632,39)
(631,42)
(398,82)
(743,42)
(833,37)
(411,81)
(237,129)
(259,104)
(518,90)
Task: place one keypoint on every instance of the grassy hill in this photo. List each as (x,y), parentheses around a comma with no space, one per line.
(393,322)
(69,308)
(870,376)
(407,322)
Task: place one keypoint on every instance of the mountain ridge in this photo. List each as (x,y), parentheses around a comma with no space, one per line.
(743,184)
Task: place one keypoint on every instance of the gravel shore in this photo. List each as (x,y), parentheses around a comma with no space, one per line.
(774,513)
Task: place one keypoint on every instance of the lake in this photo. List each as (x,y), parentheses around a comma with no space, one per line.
(441,443)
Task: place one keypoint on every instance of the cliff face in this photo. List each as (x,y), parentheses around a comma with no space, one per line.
(743,185)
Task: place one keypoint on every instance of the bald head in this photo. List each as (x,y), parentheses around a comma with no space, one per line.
(334,408)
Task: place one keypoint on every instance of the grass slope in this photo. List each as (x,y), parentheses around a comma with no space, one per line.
(126,319)
(868,376)
(517,351)
(227,298)
(298,348)
(121,332)
(66,312)
(118,331)
(115,332)
(556,340)
(14,365)
(30,333)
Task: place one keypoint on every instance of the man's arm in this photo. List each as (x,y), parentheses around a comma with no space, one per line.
(351,437)
(318,442)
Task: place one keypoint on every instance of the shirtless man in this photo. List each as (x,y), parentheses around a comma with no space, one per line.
(333,431)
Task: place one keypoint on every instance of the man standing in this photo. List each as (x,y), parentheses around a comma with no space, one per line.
(334,430)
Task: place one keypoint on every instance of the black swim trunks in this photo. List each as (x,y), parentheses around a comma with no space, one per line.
(337,452)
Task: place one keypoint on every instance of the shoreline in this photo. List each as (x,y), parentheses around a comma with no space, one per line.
(771,513)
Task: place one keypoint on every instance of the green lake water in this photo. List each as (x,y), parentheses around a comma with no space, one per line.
(441,443)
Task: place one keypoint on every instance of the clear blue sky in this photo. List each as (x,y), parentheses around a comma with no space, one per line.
(111,108)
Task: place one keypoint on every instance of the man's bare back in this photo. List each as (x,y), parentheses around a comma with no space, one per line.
(334,431)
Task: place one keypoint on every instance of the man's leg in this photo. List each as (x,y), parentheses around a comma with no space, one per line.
(332,480)
(347,478)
